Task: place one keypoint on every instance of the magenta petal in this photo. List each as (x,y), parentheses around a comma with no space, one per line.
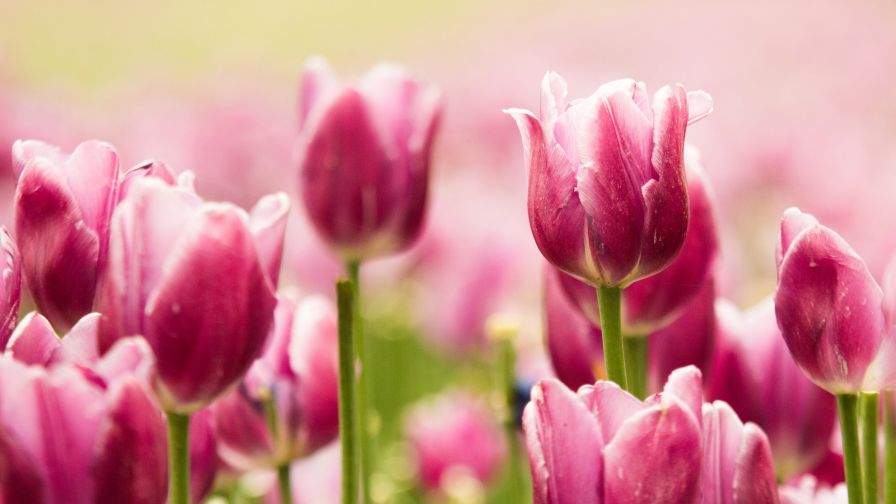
(722,436)
(793,223)
(267,221)
(24,151)
(34,341)
(204,461)
(654,457)
(573,342)
(131,463)
(79,346)
(318,83)
(556,217)
(10,286)
(244,439)
(20,477)
(754,479)
(687,384)
(564,445)
(889,289)
(209,317)
(59,252)
(611,405)
(666,199)
(92,174)
(128,356)
(150,168)
(553,97)
(829,310)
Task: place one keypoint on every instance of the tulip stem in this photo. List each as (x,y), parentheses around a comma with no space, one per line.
(849,430)
(636,364)
(283,483)
(363,391)
(345,301)
(178,458)
(609,299)
(869,445)
(889,448)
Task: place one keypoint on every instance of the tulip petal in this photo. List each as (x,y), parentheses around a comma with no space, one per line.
(553,97)
(24,151)
(149,168)
(722,438)
(699,105)
(267,221)
(208,318)
(20,478)
(10,286)
(687,385)
(204,460)
(754,478)
(244,439)
(793,223)
(79,346)
(318,83)
(573,342)
(611,405)
(34,341)
(564,445)
(654,457)
(92,174)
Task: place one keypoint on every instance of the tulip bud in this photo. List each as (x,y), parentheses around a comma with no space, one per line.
(189,277)
(63,206)
(754,373)
(608,202)
(829,309)
(10,286)
(293,386)
(364,158)
(453,438)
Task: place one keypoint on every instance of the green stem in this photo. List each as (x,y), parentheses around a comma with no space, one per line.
(178,458)
(345,298)
(849,429)
(608,299)
(363,393)
(889,448)
(506,381)
(869,417)
(283,483)
(636,364)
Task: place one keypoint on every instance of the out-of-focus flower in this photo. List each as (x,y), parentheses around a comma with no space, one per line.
(364,158)
(653,302)
(10,286)
(607,196)
(754,373)
(574,342)
(286,408)
(34,342)
(807,490)
(195,279)
(204,461)
(86,437)
(604,445)
(454,439)
(829,309)
(317,479)
(63,206)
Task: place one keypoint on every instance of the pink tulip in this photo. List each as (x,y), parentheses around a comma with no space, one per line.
(34,342)
(603,445)
(204,461)
(194,279)
(10,286)
(63,207)
(807,490)
(364,158)
(829,309)
(454,436)
(754,373)
(84,438)
(654,302)
(298,374)
(607,196)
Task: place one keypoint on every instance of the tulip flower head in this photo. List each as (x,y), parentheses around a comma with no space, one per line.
(364,156)
(608,199)
(831,310)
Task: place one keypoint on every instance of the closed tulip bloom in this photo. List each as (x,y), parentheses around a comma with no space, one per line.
(63,206)
(454,440)
(10,286)
(194,280)
(654,302)
(829,309)
(287,407)
(608,201)
(364,157)
(754,373)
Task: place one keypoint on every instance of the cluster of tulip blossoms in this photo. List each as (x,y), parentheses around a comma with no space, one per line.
(150,303)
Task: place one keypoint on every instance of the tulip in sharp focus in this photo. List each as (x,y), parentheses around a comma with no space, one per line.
(829,309)
(63,207)
(754,373)
(196,280)
(10,286)
(454,440)
(298,377)
(364,158)
(608,201)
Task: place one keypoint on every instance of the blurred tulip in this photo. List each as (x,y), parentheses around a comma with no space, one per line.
(63,207)
(454,438)
(298,377)
(204,461)
(829,309)
(654,302)
(754,373)
(10,286)
(607,196)
(364,158)
(85,438)
(193,278)
(34,342)
(808,491)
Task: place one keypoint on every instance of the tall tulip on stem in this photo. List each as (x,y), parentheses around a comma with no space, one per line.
(608,201)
